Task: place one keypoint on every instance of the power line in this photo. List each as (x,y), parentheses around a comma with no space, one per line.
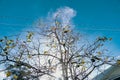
(18,17)
(29,18)
(87,29)
(99,29)
(19,25)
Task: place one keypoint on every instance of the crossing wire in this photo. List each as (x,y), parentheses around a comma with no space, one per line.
(29,18)
(87,29)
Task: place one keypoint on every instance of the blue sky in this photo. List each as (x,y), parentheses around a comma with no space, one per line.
(100,17)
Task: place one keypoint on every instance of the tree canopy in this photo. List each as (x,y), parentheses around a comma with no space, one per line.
(52,51)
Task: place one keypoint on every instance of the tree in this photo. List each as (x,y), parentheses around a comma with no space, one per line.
(50,49)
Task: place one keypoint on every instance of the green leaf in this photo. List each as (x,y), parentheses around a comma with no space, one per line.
(49,62)
(28,40)
(1,40)
(8,74)
(110,39)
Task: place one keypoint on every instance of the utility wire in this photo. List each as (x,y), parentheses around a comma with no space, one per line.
(88,29)
(15,25)
(99,29)
(17,17)
(29,18)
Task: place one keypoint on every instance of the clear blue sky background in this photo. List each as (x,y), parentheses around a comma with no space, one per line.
(93,16)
